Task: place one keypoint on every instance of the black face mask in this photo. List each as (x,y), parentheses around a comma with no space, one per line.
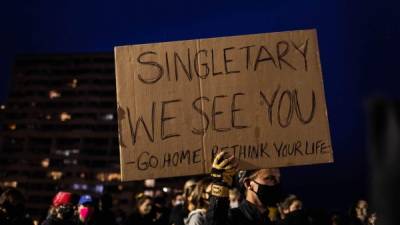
(66,212)
(269,195)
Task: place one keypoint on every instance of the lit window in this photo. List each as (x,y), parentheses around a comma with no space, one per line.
(63,152)
(67,152)
(101,177)
(108,116)
(55,175)
(45,162)
(12,126)
(70,161)
(2,107)
(149,193)
(73,83)
(64,116)
(114,176)
(54,94)
(13,184)
(150,183)
(76,186)
(108,177)
(59,152)
(99,188)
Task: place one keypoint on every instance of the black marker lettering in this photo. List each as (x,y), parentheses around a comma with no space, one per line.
(164,104)
(152,79)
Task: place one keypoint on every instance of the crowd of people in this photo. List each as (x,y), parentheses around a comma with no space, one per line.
(226,197)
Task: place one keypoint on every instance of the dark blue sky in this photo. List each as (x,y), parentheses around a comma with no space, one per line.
(358,47)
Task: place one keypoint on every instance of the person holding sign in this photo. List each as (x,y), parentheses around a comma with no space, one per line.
(261,189)
(259,97)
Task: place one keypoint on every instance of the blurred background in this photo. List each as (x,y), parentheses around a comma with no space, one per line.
(57,87)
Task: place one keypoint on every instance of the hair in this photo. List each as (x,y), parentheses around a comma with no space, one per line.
(12,197)
(13,202)
(244,175)
(197,195)
(289,201)
(352,210)
(188,187)
(140,199)
(234,191)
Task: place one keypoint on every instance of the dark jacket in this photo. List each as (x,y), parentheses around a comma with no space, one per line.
(137,219)
(298,217)
(219,213)
(177,215)
(15,220)
(105,217)
(56,221)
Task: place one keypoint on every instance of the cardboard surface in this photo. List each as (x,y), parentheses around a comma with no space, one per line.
(259,97)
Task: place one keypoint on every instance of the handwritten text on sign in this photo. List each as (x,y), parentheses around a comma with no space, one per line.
(259,97)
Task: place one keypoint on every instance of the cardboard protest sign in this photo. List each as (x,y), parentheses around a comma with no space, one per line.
(259,97)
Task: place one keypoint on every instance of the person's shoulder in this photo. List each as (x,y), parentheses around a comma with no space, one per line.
(177,209)
(235,212)
(196,217)
(236,216)
(200,213)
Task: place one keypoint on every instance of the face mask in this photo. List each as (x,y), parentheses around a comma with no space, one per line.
(85,213)
(234,204)
(66,211)
(179,202)
(269,195)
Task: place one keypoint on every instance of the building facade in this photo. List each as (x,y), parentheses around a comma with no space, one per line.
(59,131)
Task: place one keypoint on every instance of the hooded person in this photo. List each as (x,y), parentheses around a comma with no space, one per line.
(12,208)
(86,209)
(261,189)
(62,210)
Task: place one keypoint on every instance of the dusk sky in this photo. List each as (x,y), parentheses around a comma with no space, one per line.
(358,43)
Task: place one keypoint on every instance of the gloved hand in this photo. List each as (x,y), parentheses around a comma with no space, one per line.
(223,169)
